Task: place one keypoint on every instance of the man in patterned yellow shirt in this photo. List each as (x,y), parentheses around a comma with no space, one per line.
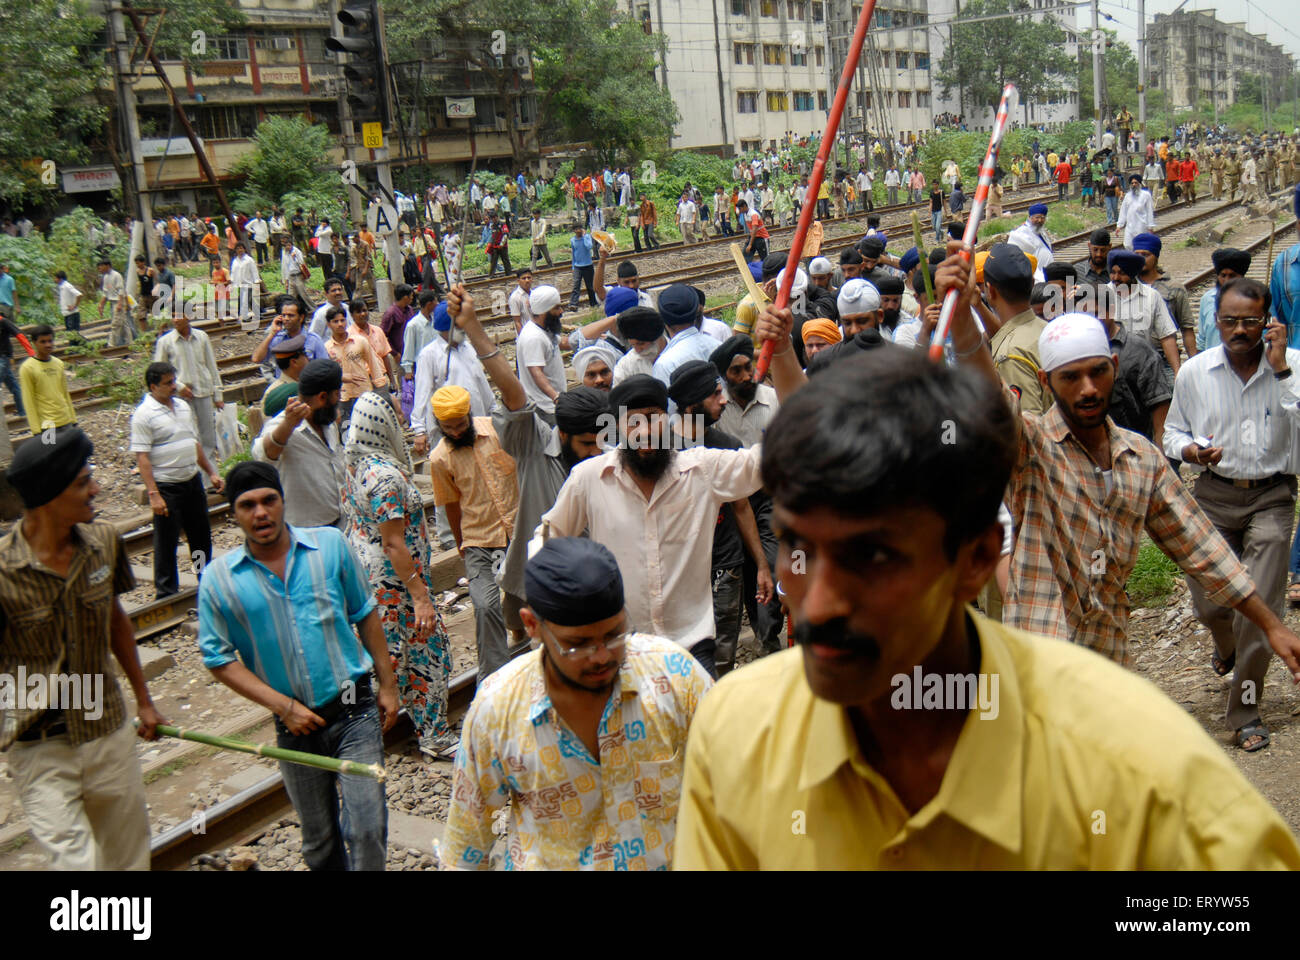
(583,738)
(908,731)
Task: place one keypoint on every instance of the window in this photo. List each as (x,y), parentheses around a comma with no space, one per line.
(821,100)
(818,10)
(225,123)
(884,18)
(230,48)
(778,101)
(749,146)
(819,52)
(923,61)
(643,14)
(803,100)
(905,99)
(747,101)
(796,9)
(798,59)
(744,53)
(740,8)
(773,54)
(900,61)
(767,8)
(923,98)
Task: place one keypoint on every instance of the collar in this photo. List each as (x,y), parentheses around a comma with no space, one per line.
(540,706)
(981,787)
(1056,428)
(679,467)
(1218,359)
(241,556)
(681,335)
(17,552)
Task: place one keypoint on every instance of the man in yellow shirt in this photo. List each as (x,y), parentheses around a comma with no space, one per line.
(907,731)
(44,385)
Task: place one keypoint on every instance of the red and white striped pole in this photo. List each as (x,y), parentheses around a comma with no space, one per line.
(1009,97)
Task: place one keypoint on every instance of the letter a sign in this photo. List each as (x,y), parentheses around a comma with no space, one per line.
(381,218)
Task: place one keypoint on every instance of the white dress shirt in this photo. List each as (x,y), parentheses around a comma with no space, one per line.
(195,363)
(748,425)
(431,374)
(664,547)
(1144,313)
(1033,242)
(1255,422)
(317,324)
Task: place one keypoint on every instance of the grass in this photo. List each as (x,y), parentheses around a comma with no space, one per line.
(167,769)
(1063,219)
(1153,577)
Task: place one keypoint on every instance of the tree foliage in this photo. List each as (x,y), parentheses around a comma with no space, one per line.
(289,161)
(983,57)
(1119,88)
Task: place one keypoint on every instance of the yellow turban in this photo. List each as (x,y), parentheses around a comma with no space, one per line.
(1033,261)
(821,327)
(979,265)
(450,403)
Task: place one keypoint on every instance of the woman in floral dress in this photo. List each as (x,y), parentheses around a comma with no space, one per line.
(383,515)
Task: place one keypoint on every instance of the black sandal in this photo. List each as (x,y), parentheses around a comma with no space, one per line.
(1220,666)
(1253,730)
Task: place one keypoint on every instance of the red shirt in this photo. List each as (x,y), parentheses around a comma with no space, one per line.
(1173,170)
(1189,171)
(757,225)
(1063,171)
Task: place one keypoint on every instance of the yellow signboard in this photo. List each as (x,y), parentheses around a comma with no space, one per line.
(372,135)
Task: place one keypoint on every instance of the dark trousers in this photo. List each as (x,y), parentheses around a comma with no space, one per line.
(703,652)
(542,250)
(261,252)
(636,239)
(768,620)
(1061,189)
(501,255)
(651,241)
(756,249)
(583,275)
(727,584)
(7,376)
(187,508)
(326,262)
(72,321)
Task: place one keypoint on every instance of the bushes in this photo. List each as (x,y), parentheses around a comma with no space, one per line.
(968,148)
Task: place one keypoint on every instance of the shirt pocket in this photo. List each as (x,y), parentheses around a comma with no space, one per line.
(503,464)
(34,629)
(95,604)
(677,520)
(658,787)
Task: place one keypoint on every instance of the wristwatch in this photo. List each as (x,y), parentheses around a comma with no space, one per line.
(1282,374)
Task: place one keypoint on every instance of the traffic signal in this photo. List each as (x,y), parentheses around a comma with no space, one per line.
(367,68)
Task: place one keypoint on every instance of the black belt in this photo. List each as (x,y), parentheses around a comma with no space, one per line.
(1249,484)
(333,709)
(51,724)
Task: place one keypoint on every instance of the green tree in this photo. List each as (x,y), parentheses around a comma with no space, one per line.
(1119,86)
(290,165)
(983,57)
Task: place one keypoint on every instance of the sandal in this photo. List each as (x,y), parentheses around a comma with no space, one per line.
(1220,666)
(1253,731)
(441,749)
(1293,592)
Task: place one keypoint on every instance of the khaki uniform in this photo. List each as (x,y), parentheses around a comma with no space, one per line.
(1216,177)
(1265,167)
(1232,174)
(1015,354)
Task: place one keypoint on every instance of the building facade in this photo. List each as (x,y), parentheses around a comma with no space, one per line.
(1194,56)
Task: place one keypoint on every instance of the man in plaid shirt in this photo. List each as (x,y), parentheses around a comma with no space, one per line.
(1084,490)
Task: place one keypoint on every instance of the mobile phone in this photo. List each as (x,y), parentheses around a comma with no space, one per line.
(1203,443)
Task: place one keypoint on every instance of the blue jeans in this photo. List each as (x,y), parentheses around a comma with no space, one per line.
(358,838)
(1112,209)
(1294,566)
(936,217)
(7,377)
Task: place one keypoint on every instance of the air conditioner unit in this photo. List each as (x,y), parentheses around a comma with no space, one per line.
(282,43)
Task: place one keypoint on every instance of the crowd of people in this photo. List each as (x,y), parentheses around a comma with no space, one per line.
(905,526)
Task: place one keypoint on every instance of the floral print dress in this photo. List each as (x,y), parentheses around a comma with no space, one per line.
(376,492)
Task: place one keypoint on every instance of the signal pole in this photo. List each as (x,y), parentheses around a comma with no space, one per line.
(1096,76)
(1142,74)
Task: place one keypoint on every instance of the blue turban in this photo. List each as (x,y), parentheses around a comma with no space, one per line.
(573,581)
(1129,262)
(1296,202)
(1147,241)
(618,299)
(756,270)
(1037,209)
(441,317)
(909,260)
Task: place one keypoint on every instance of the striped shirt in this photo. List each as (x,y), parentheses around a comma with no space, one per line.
(1143,313)
(169,435)
(1255,422)
(295,634)
(195,363)
(61,624)
(1077,543)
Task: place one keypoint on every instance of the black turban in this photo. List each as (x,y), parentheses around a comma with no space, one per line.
(573,581)
(773,264)
(637,393)
(871,247)
(641,323)
(251,475)
(887,284)
(723,355)
(320,376)
(41,471)
(579,409)
(692,382)
(1229,258)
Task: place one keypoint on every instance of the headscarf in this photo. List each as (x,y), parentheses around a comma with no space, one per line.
(375,432)
(823,328)
(578,410)
(597,351)
(41,471)
(1071,337)
(450,402)
(251,475)
(722,356)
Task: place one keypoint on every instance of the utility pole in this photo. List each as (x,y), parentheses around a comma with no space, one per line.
(126,106)
(1096,76)
(1142,73)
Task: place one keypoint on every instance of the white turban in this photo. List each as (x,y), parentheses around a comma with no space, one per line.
(1071,337)
(542,300)
(800,285)
(857,297)
(820,267)
(597,351)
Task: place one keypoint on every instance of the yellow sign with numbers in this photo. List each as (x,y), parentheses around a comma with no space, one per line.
(372,135)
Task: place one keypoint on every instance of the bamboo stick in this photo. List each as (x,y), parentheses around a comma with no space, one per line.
(373,770)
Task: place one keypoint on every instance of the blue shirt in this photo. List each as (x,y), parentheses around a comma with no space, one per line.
(1207,330)
(313,346)
(1285,288)
(296,635)
(689,344)
(7,289)
(581,247)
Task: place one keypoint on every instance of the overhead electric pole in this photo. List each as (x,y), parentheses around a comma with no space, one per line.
(1096,76)
(1142,73)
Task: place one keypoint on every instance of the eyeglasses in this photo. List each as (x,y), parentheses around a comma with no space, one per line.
(1250,323)
(611,643)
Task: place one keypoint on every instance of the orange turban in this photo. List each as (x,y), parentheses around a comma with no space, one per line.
(821,327)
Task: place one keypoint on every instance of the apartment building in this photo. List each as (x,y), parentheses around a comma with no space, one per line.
(1194,56)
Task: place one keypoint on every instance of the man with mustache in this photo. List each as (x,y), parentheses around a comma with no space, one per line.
(655,508)
(1098,248)
(1008,282)
(537,349)
(446,360)
(303,442)
(583,738)
(883,552)
(1233,413)
(643,330)
(1141,309)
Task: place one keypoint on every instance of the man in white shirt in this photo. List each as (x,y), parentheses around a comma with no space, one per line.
(1032,238)
(198,381)
(537,352)
(69,302)
(1154,174)
(518,304)
(687,214)
(892,183)
(1136,213)
(335,296)
(642,330)
(291,263)
(112,288)
(169,459)
(325,248)
(447,360)
(863,183)
(1141,309)
(1242,397)
(246,284)
(537,235)
(261,233)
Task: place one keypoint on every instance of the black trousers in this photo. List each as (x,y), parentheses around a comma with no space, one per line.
(756,249)
(187,508)
(326,262)
(502,256)
(580,275)
(768,620)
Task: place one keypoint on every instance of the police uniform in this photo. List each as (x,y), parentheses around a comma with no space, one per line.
(1015,345)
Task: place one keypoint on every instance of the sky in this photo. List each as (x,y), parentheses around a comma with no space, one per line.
(1275,19)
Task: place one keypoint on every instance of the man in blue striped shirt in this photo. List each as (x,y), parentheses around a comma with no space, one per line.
(1284,284)
(276,623)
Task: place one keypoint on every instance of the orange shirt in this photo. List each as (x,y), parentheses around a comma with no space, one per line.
(1190,170)
(221,277)
(812,244)
(210,242)
(361,368)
